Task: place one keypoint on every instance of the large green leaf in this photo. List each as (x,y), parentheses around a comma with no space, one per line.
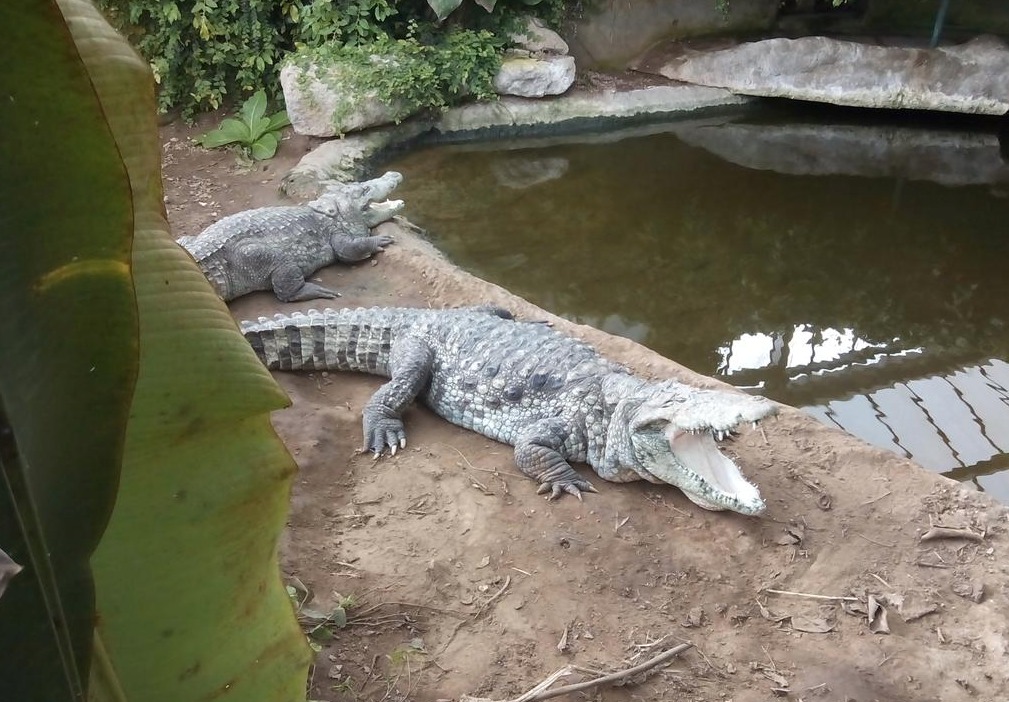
(231,130)
(279,120)
(68,358)
(190,602)
(254,109)
(265,147)
(260,127)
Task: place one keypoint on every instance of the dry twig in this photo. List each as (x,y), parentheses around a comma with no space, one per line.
(876,499)
(873,541)
(540,692)
(845,598)
(369,610)
(485,605)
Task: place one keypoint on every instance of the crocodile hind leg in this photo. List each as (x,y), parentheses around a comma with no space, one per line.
(538,455)
(289,285)
(410,364)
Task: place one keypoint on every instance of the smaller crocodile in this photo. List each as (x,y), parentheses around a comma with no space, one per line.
(278,247)
(552,397)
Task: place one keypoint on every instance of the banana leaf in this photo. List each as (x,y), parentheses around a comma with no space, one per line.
(137,419)
(68,359)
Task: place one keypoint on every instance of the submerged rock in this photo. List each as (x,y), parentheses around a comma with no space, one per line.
(520,172)
(971,77)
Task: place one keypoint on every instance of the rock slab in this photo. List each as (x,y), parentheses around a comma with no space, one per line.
(529,77)
(972,77)
(326,105)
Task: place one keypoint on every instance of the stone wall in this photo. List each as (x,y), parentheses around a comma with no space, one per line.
(613,32)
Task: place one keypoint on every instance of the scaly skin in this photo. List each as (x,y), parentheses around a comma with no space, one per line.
(276,248)
(550,396)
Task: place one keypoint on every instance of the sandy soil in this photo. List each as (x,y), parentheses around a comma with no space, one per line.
(464,581)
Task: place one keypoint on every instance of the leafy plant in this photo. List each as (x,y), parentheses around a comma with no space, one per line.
(205,52)
(411,74)
(349,22)
(252,130)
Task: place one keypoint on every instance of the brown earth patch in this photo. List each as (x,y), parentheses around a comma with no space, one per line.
(464,580)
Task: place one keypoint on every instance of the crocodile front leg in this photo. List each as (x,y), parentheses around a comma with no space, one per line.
(350,250)
(289,285)
(410,364)
(537,454)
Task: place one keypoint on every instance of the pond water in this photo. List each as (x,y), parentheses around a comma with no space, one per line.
(854,269)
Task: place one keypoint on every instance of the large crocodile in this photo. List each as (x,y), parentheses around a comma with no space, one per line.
(277,247)
(552,397)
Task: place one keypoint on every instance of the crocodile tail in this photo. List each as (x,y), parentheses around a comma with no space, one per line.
(346,340)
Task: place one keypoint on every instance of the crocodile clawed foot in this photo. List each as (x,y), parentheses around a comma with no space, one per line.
(557,489)
(383,434)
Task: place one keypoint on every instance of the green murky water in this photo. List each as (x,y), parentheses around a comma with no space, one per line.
(856,270)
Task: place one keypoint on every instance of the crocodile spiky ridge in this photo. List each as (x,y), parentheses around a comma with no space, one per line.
(276,248)
(552,397)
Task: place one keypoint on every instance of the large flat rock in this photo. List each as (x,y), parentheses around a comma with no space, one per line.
(951,158)
(971,77)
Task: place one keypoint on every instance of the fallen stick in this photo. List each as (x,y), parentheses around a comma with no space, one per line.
(488,603)
(540,692)
(846,598)
(941,532)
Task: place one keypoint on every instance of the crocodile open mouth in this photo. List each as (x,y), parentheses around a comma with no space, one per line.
(709,478)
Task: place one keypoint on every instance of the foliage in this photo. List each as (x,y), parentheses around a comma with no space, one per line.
(347,22)
(409,74)
(205,52)
(136,451)
(252,130)
(201,51)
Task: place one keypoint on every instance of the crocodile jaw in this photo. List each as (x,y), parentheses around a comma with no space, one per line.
(673,436)
(377,212)
(706,476)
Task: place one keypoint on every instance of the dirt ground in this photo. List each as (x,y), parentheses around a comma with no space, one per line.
(459,579)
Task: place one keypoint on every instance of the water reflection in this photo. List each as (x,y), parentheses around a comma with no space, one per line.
(944,422)
(872,295)
(864,150)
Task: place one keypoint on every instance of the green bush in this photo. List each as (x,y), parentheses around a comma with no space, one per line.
(410,73)
(205,53)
